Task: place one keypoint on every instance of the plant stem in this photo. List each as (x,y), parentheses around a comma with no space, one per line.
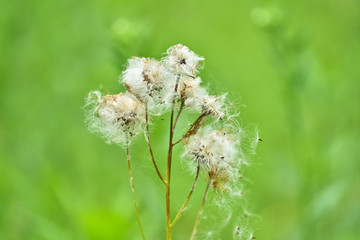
(193,128)
(149,145)
(179,112)
(200,210)
(133,188)
(168,165)
(178,215)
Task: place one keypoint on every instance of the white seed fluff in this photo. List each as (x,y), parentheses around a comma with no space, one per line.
(213,105)
(181,60)
(114,117)
(197,99)
(211,147)
(145,78)
(216,153)
(193,93)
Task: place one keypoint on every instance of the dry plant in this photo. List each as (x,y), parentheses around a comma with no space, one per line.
(213,143)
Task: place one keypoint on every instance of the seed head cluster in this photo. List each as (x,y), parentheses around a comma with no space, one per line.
(212,143)
(151,87)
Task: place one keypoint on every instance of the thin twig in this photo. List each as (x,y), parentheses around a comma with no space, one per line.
(133,188)
(200,210)
(168,165)
(179,112)
(179,214)
(193,128)
(149,145)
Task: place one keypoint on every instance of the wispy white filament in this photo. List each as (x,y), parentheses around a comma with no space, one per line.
(154,87)
(146,79)
(216,151)
(114,116)
(181,60)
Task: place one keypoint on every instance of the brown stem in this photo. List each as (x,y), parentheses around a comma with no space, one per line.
(133,188)
(179,214)
(168,165)
(201,209)
(179,112)
(149,145)
(193,128)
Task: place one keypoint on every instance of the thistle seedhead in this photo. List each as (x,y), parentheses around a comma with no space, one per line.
(213,106)
(146,79)
(192,93)
(216,152)
(114,117)
(154,87)
(197,99)
(181,60)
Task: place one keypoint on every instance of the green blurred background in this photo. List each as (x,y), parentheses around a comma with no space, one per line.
(294,64)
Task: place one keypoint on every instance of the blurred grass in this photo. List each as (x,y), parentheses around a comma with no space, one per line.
(295,65)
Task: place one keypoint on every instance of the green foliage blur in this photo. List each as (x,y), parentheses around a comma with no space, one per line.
(294,64)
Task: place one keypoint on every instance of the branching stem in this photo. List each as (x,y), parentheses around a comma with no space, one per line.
(168,165)
(179,112)
(149,146)
(193,128)
(201,209)
(178,215)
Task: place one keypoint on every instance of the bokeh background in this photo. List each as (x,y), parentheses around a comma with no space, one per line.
(294,64)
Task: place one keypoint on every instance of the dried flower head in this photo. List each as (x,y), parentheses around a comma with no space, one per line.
(181,60)
(171,84)
(213,106)
(145,78)
(197,99)
(114,117)
(215,151)
(192,93)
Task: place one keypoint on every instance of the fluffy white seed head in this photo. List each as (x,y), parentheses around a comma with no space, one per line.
(216,153)
(213,106)
(193,93)
(156,86)
(197,99)
(114,117)
(145,78)
(181,60)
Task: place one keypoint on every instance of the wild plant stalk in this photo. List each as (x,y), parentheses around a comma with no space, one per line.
(149,146)
(168,166)
(133,187)
(180,212)
(201,209)
(193,128)
(179,112)
(153,88)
